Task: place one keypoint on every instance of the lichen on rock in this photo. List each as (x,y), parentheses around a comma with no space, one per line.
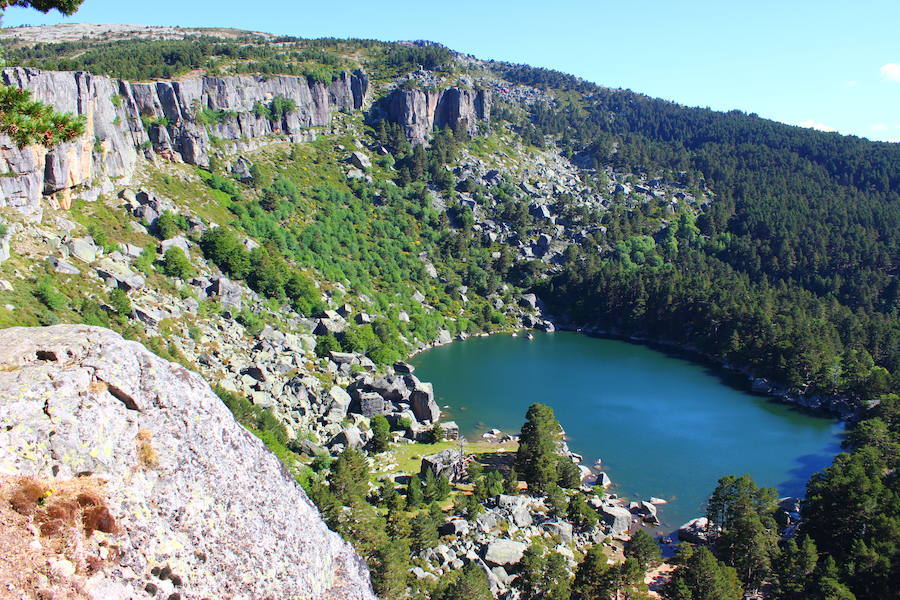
(195,496)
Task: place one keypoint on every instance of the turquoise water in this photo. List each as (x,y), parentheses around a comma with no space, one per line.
(663,426)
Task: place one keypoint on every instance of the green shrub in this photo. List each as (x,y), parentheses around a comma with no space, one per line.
(170,224)
(101,238)
(222,246)
(47,293)
(120,302)
(210,116)
(176,264)
(381,433)
(327,343)
(93,314)
(251,321)
(144,262)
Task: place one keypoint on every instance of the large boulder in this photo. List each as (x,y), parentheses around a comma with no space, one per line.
(193,493)
(422,402)
(228,292)
(84,249)
(119,275)
(371,404)
(504,552)
(617,517)
(449,462)
(392,388)
(695,531)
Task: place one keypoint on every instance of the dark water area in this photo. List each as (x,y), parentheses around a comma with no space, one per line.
(662,425)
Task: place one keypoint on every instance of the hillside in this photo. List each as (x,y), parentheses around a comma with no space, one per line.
(293,218)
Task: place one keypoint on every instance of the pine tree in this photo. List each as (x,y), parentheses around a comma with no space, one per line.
(349,481)
(424,531)
(794,565)
(470,584)
(511,482)
(381,433)
(414,493)
(430,486)
(27,121)
(699,576)
(390,572)
(593,576)
(643,548)
(543,575)
(580,513)
(538,456)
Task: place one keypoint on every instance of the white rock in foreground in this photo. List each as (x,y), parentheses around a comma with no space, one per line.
(217,508)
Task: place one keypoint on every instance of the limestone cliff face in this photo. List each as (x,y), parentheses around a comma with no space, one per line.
(115,132)
(420,111)
(213,507)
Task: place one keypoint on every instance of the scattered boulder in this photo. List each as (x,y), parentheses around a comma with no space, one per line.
(449,462)
(458,527)
(617,517)
(695,531)
(228,292)
(561,528)
(423,404)
(529,301)
(350,437)
(360,161)
(451,430)
(84,249)
(504,552)
(62,266)
(119,275)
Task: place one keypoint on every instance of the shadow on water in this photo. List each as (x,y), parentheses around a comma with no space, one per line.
(728,377)
(803,469)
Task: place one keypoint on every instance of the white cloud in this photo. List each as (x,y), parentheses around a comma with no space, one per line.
(852,83)
(890,72)
(883,127)
(816,125)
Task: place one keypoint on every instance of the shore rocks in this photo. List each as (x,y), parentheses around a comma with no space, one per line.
(617,517)
(695,531)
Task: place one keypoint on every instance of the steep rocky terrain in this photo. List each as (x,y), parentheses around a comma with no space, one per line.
(195,496)
(291,219)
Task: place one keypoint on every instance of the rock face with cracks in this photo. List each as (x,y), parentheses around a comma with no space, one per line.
(196,496)
(121,117)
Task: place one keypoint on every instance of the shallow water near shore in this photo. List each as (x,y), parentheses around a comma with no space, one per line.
(663,425)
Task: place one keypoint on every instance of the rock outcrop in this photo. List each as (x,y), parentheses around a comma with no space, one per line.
(196,497)
(123,119)
(420,111)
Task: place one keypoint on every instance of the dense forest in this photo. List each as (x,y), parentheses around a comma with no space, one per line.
(787,269)
(791,272)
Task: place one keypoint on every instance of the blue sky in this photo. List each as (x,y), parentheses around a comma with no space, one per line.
(825,63)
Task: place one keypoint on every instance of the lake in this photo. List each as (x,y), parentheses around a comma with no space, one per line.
(662,425)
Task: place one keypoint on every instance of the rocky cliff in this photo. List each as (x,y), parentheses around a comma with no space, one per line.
(421,111)
(202,509)
(175,119)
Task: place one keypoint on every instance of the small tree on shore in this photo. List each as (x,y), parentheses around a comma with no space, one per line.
(537,459)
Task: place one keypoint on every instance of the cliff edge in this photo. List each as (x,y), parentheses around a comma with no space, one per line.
(201,508)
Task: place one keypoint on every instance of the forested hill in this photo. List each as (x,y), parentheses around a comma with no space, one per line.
(791,272)
(292,217)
